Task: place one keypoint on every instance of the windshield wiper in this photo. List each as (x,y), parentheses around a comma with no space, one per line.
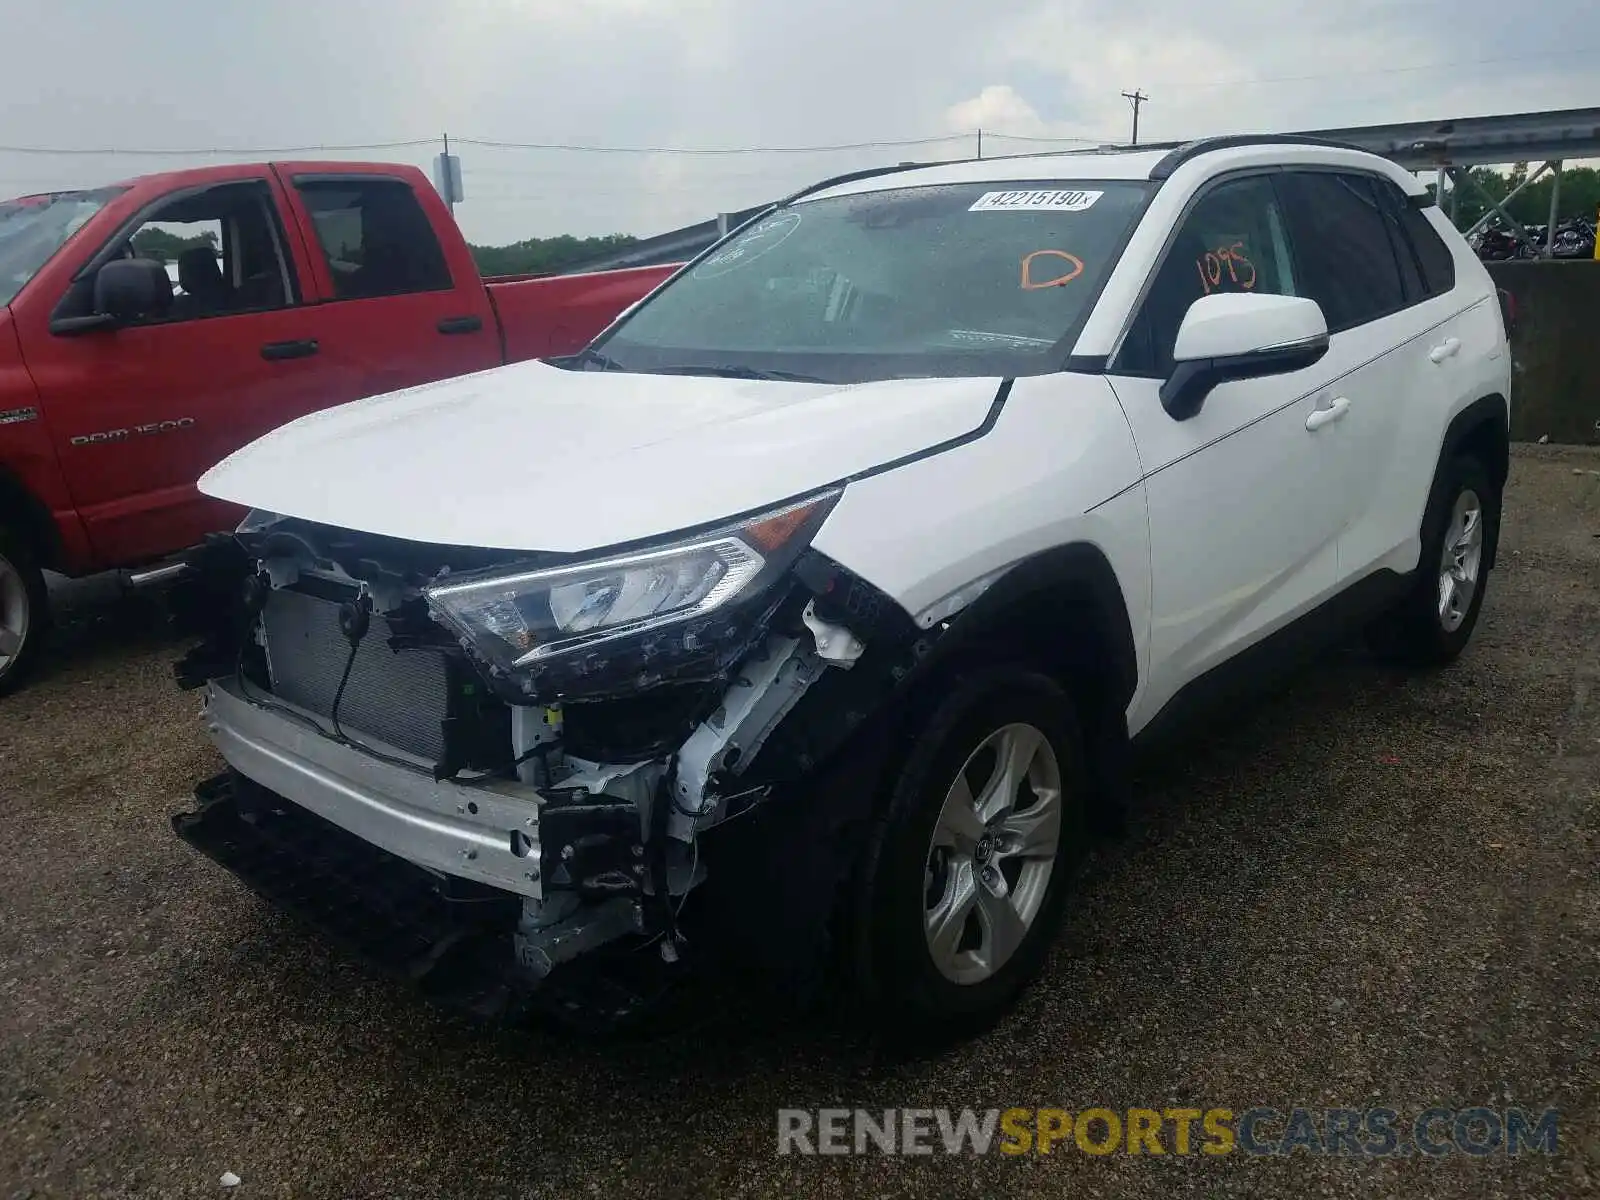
(733,372)
(590,355)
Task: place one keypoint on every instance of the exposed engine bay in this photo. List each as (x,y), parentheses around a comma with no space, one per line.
(414,752)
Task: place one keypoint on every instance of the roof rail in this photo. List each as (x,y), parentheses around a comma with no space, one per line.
(874,172)
(1183,153)
(852,176)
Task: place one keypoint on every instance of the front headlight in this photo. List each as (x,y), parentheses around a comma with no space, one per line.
(518,622)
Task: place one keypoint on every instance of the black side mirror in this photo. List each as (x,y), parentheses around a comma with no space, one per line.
(126,289)
(1192,381)
(1230,336)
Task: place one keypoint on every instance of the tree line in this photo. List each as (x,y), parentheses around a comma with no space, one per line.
(1580,195)
(537,256)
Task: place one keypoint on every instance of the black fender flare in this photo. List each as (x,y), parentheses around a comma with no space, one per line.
(31,518)
(1488,415)
(1075,569)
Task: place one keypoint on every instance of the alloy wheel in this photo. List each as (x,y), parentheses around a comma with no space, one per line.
(15,617)
(1460,561)
(992,853)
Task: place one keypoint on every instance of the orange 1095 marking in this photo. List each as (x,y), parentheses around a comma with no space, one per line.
(1241,271)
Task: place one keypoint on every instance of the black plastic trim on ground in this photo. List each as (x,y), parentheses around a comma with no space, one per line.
(451,939)
(396,917)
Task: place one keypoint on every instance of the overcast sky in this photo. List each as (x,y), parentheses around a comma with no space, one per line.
(181,74)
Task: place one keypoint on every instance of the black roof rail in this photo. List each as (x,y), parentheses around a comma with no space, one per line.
(852,176)
(874,172)
(1183,153)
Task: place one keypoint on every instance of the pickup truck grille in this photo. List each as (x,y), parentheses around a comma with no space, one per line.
(394,697)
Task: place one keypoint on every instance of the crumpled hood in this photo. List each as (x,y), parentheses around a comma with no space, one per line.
(533,457)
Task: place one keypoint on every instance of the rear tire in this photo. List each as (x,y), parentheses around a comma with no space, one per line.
(966,871)
(1432,624)
(24,610)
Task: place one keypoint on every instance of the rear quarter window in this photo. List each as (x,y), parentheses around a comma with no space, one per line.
(1438,264)
(375,237)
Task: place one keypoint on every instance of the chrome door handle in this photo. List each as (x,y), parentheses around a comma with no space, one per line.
(1327,416)
(1444,349)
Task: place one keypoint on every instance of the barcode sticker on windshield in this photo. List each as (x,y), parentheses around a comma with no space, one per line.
(1035,201)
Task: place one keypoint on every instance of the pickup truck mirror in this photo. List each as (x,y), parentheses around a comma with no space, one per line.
(1240,336)
(126,289)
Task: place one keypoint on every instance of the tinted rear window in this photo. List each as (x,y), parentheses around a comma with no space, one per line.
(375,236)
(1347,263)
(1438,264)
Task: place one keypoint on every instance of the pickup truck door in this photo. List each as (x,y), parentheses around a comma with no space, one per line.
(400,299)
(1242,498)
(139,412)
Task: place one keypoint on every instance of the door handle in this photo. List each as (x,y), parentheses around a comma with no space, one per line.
(1327,416)
(304,348)
(1444,349)
(459,324)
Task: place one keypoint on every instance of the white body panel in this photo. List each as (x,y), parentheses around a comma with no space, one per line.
(1455,354)
(1042,477)
(1245,513)
(533,457)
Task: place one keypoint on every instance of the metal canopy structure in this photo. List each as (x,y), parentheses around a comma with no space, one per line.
(1479,141)
(1451,147)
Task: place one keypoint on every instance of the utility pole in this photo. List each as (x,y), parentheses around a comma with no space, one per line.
(1135,98)
(450,191)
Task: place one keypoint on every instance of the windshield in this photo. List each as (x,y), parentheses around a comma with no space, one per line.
(33,228)
(967,279)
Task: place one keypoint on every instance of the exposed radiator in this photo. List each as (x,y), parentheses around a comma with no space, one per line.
(399,698)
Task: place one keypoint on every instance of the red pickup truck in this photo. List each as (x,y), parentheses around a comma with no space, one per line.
(300,286)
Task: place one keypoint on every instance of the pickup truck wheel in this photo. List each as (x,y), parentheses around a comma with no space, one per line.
(1434,621)
(968,867)
(23,610)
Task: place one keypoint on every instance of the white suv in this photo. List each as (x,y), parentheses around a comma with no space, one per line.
(808,615)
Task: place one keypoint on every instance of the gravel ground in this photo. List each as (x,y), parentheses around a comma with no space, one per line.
(1372,891)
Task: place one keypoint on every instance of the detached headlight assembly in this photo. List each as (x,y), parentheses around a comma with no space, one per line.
(653,609)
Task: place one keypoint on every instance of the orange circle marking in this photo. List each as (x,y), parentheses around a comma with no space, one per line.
(1029,284)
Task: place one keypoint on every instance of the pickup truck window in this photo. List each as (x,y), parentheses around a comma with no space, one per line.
(972,279)
(223,248)
(375,236)
(32,228)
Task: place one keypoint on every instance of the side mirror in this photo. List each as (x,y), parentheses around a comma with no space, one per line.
(1240,336)
(126,289)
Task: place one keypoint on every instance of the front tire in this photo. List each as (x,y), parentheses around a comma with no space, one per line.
(24,610)
(968,867)
(1432,624)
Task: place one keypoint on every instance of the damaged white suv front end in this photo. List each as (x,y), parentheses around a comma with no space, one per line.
(540,744)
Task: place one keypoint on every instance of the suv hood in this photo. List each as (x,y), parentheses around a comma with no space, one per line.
(534,457)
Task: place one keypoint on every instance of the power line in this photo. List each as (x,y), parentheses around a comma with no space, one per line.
(486,143)
(211,151)
(1438,66)
(708,150)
